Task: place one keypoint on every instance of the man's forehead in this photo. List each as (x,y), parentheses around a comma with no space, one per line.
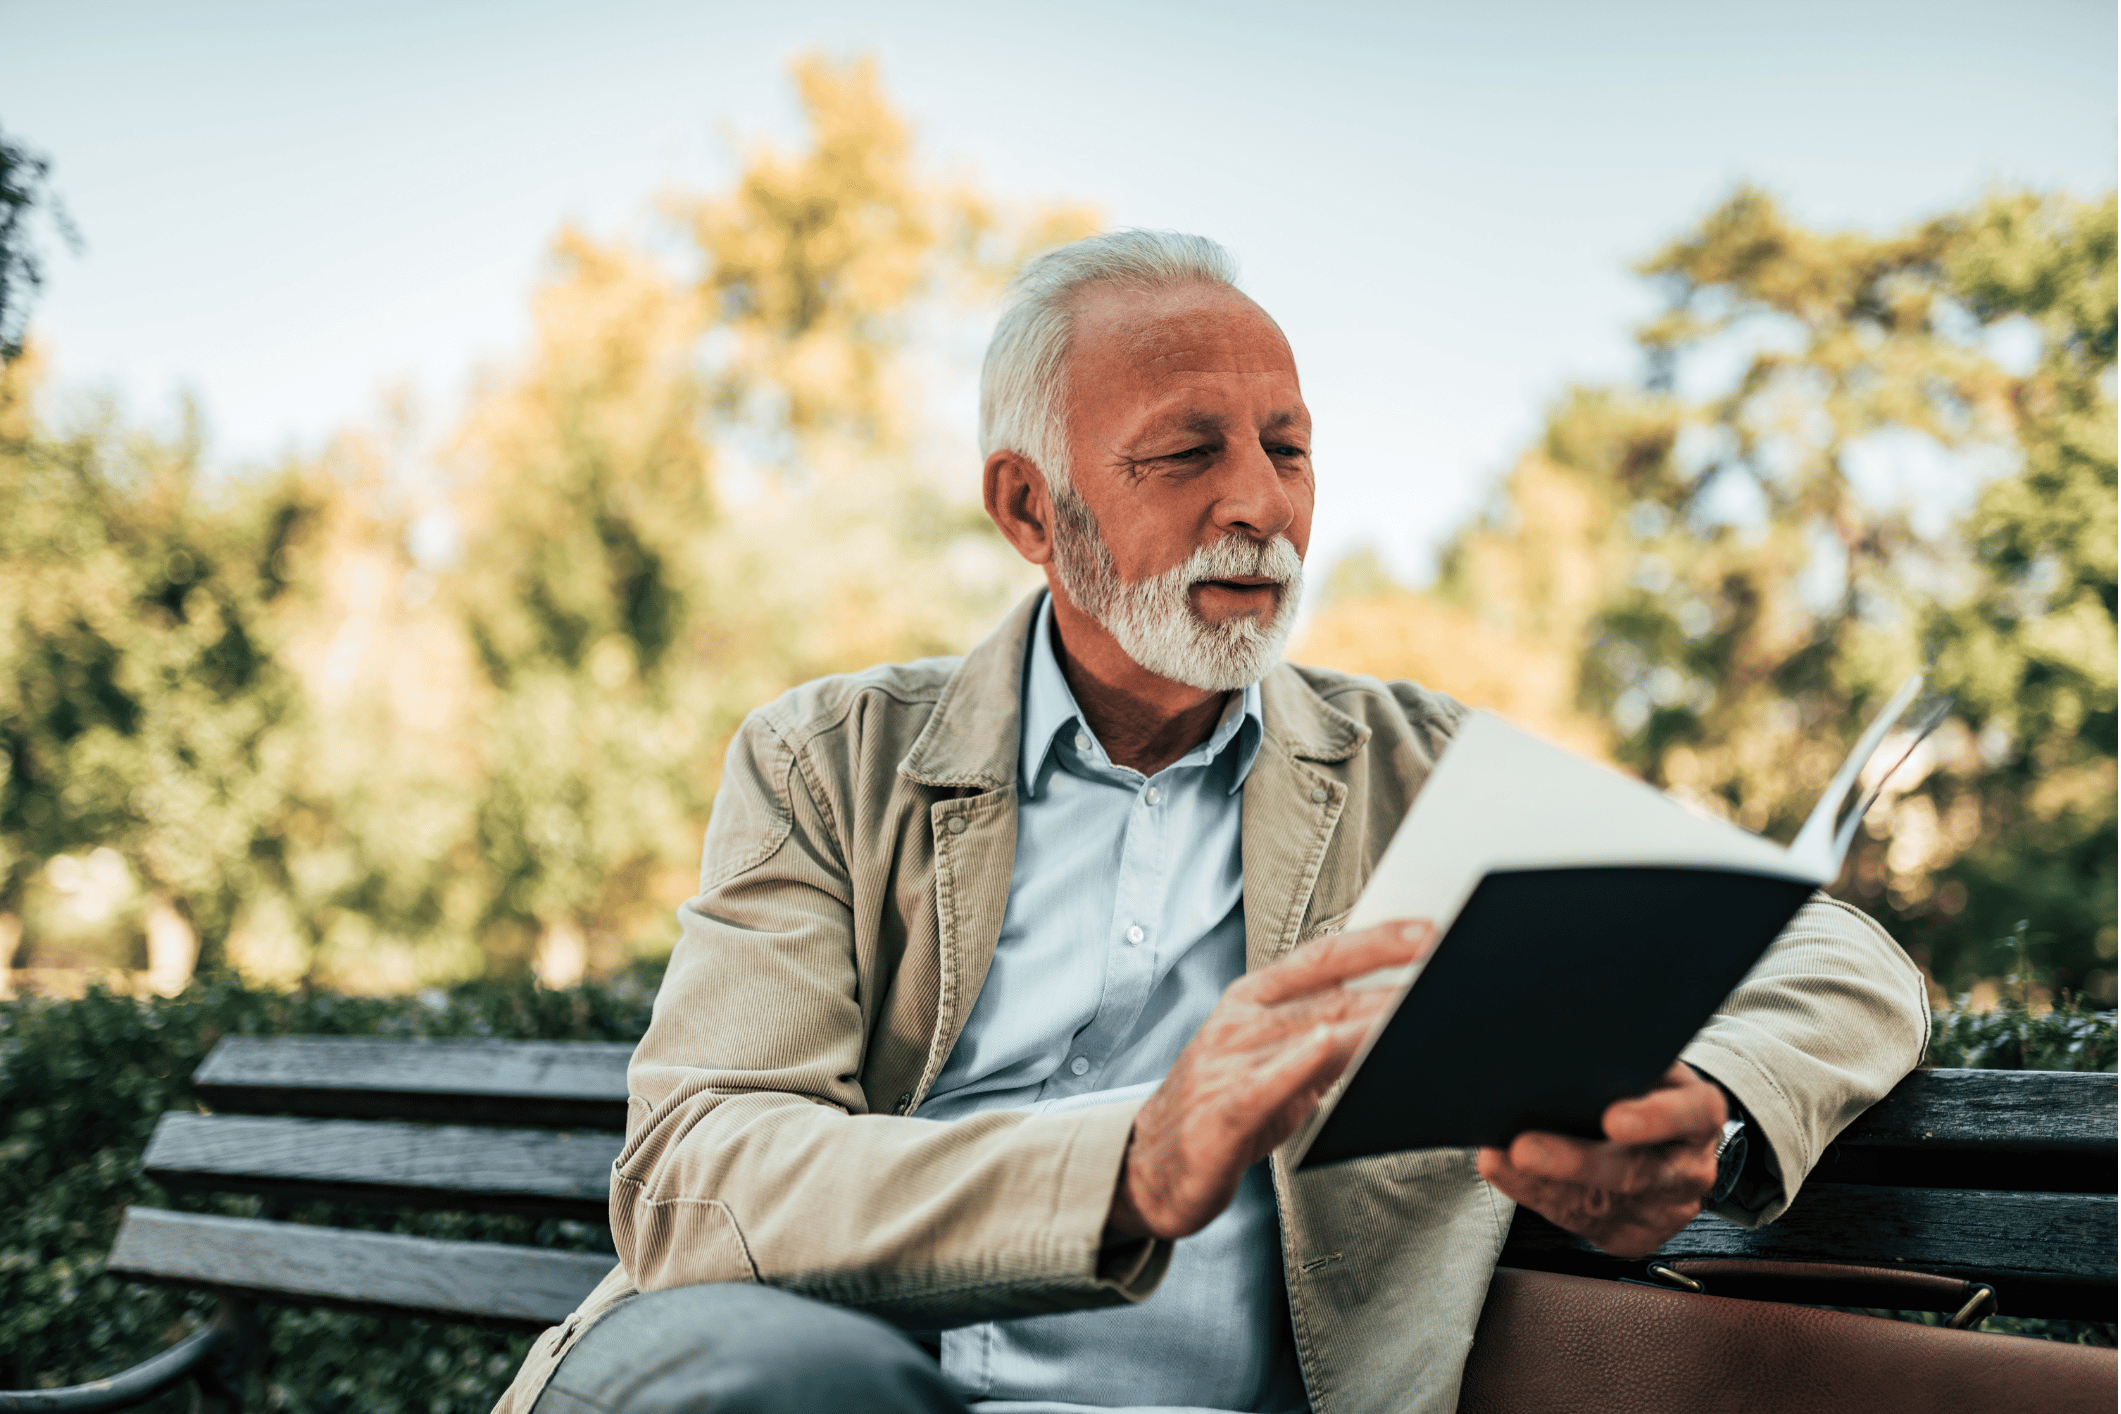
(1173,327)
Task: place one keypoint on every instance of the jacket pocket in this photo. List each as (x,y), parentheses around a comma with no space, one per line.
(1326,929)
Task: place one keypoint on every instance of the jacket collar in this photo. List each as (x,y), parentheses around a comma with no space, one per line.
(1302,723)
(973,736)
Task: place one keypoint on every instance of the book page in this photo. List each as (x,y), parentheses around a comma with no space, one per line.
(1501,798)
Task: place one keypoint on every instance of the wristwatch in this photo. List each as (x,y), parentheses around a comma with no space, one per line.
(1730,1161)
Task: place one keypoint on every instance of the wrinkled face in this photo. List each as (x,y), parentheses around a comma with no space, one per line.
(1190,504)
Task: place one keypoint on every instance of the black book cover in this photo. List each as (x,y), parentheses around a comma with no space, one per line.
(1555,993)
(1591,926)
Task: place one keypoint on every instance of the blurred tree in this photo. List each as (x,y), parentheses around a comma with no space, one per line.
(714,476)
(1718,559)
(25,192)
(401,713)
(144,779)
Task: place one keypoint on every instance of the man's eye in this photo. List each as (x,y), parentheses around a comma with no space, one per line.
(1286,451)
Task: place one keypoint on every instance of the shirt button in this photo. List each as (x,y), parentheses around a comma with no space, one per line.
(1078,1066)
(1082,741)
(1152,795)
(1319,794)
(1135,934)
(956,825)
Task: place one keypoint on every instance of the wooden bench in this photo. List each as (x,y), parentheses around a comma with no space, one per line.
(2000,1177)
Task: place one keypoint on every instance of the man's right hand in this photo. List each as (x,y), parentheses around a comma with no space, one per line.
(1254,1071)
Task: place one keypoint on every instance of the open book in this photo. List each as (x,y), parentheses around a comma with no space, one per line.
(1591,925)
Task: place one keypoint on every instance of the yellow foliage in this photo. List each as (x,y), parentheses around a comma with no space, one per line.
(707,480)
(708,477)
(1447,648)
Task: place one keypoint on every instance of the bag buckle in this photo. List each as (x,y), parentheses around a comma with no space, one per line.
(1679,1279)
(1978,1308)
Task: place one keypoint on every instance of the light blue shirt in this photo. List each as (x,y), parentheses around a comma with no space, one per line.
(1125,923)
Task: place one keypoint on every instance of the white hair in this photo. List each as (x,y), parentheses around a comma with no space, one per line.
(1023,394)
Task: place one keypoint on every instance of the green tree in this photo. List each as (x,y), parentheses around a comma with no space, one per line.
(144,720)
(1711,555)
(703,488)
(25,194)
(711,476)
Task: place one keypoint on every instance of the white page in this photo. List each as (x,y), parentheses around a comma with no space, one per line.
(1503,799)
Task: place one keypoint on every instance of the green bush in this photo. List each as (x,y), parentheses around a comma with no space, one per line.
(2012,1036)
(82,1083)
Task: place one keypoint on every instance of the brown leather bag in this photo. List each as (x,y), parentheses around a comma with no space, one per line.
(1554,1344)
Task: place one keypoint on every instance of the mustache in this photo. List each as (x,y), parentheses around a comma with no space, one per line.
(1240,556)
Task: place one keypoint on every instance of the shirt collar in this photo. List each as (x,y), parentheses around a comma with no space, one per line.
(1050,709)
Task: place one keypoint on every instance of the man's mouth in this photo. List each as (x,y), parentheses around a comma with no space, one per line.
(1241,582)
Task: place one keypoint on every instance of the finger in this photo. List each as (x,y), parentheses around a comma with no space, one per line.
(1238,1025)
(1632,1234)
(1418,932)
(1683,1107)
(1622,1224)
(1328,962)
(1551,1200)
(1622,1168)
(1346,1039)
(1306,1066)
(1296,1014)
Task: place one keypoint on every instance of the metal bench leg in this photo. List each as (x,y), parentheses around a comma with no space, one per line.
(222,1375)
(215,1357)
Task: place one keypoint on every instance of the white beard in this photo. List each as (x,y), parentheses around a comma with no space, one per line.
(1153,620)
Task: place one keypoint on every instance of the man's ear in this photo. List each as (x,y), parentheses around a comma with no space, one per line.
(1018,504)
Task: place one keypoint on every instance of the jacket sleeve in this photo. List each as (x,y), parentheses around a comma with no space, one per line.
(1829,1020)
(750,1154)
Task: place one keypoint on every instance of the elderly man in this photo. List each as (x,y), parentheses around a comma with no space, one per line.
(1008,974)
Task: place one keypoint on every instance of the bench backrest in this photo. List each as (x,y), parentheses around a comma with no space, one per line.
(2002,1176)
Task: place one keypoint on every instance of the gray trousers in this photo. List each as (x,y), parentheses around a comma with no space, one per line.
(743,1349)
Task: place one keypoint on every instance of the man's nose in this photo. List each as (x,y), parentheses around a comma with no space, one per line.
(1253,498)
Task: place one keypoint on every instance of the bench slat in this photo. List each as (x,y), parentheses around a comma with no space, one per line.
(2048,1254)
(2013,1111)
(485,1283)
(584,1083)
(531,1171)
(572,1084)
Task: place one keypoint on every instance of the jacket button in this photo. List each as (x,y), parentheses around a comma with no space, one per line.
(905,1102)
(956,825)
(1319,795)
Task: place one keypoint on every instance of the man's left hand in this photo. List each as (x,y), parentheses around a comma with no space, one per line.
(1630,1192)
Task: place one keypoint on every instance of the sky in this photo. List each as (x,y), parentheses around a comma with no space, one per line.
(290,209)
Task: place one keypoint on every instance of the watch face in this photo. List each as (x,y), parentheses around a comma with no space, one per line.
(1730,1160)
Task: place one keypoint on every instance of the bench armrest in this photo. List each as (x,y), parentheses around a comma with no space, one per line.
(212,1356)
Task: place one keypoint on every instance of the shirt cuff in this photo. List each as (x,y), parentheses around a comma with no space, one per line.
(1134,1267)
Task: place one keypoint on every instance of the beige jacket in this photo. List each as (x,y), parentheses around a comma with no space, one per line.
(856,871)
